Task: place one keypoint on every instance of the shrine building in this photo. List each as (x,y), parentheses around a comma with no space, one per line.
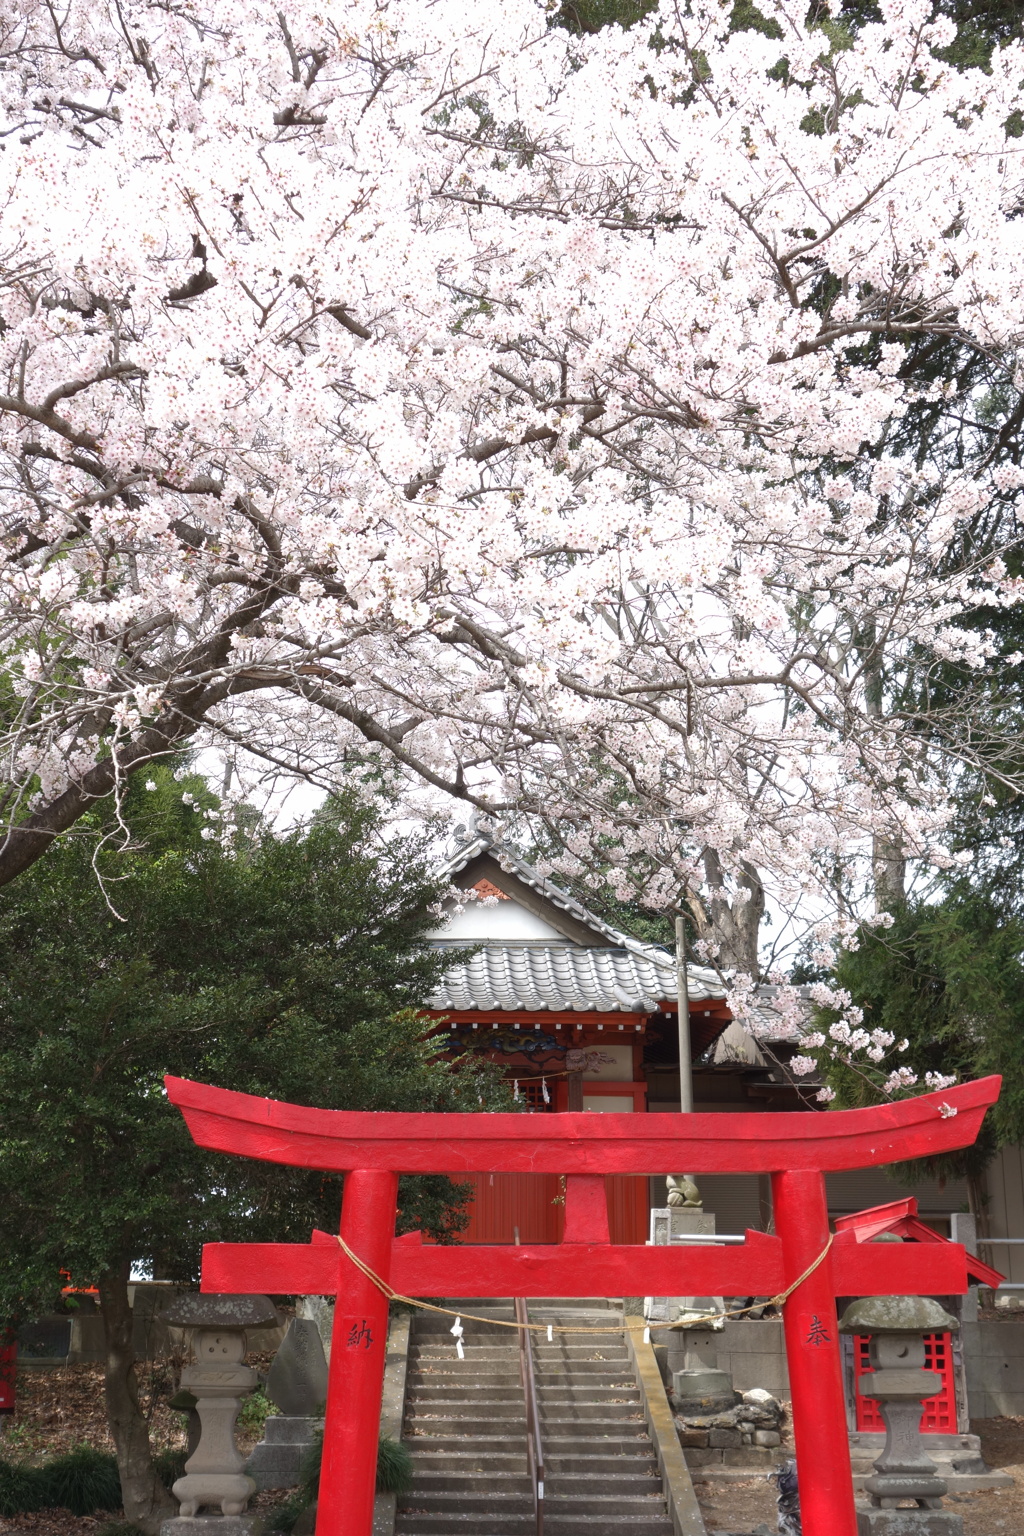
(551,980)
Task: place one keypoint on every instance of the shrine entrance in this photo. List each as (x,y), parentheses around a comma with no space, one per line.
(803,1266)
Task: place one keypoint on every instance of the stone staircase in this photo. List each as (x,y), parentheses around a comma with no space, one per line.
(465,1424)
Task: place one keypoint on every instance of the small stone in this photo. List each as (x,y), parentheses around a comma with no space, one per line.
(693,1437)
(767,1437)
(748,1438)
(725,1439)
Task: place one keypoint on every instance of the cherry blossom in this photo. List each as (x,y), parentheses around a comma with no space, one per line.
(420,378)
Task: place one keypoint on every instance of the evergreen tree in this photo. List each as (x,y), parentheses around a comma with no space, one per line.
(288,966)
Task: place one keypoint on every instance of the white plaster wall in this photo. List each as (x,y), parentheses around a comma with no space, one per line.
(503,921)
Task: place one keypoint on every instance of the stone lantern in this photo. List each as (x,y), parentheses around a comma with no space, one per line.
(218,1379)
(899,1383)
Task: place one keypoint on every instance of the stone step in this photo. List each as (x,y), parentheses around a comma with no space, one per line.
(497,1415)
(465,1391)
(487,1479)
(639,1463)
(592,1303)
(597,1446)
(471,1365)
(498,1502)
(457,1462)
(428,1523)
(455,1378)
(544,1355)
(595,1390)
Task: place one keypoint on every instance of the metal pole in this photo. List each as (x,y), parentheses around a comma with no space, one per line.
(683,1006)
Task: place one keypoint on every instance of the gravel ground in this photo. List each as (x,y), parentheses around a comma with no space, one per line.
(737,1507)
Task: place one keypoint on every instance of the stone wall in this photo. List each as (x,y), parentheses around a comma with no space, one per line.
(754,1354)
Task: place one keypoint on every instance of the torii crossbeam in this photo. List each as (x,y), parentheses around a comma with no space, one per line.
(372,1149)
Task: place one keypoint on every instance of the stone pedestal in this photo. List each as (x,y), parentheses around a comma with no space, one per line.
(275,1462)
(702,1391)
(674,1224)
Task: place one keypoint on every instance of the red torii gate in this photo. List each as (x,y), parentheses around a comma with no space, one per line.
(373,1148)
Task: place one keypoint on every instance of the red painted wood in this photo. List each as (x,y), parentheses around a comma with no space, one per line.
(938,1413)
(503,1202)
(629,1208)
(812,1354)
(358,1348)
(900,1217)
(754,1268)
(533,1203)
(586,1209)
(580,1143)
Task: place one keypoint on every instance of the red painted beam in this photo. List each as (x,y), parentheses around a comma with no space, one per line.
(579,1269)
(292,1134)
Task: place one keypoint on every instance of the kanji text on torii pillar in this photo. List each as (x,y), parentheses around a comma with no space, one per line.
(372,1149)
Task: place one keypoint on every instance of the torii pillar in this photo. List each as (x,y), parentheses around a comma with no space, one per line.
(796,1149)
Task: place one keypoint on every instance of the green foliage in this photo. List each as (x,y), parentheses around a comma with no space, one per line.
(949,978)
(83,1481)
(287,966)
(584,16)
(394,1467)
(254,1411)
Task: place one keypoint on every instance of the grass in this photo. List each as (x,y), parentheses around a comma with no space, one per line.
(83,1481)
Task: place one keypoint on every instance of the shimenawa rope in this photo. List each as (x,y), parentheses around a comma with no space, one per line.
(697,1317)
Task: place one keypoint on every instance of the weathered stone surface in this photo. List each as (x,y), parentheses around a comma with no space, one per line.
(896,1314)
(693,1436)
(219,1380)
(198,1311)
(767,1437)
(297,1380)
(909,1522)
(275,1462)
(749,1456)
(724,1438)
(701,1456)
(214,1525)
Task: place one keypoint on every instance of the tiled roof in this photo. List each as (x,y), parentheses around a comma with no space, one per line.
(560,977)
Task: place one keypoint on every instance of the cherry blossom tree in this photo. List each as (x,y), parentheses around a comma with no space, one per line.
(524,405)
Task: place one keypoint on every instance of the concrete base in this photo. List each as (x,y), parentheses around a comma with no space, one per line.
(274,1463)
(214,1525)
(909,1522)
(739,1466)
(955,1457)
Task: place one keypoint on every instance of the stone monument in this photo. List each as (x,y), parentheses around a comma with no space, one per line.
(297,1385)
(680,1224)
(218,1379)
(899,1383)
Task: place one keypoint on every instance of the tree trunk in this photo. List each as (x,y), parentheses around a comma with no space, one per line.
(889,868)
(146,1501)
(735,927)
